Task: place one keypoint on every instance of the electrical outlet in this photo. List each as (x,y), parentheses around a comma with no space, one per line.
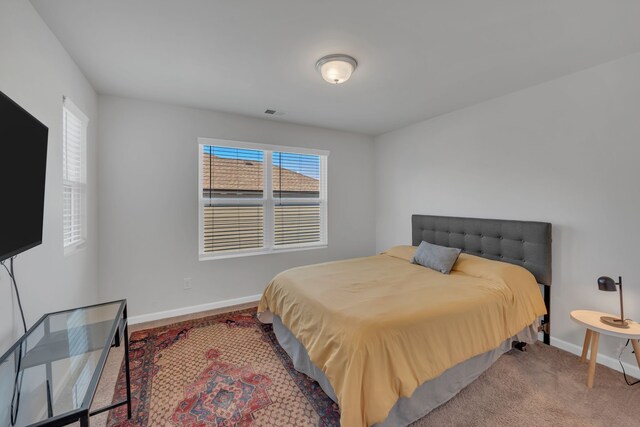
(187,283)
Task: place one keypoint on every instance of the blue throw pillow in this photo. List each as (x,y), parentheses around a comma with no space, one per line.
(438,258)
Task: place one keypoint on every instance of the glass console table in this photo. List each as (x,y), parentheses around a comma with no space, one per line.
(50,375)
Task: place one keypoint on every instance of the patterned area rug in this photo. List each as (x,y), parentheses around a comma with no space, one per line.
(224,370)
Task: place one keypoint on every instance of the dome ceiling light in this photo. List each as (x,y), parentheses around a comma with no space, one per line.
(337,68)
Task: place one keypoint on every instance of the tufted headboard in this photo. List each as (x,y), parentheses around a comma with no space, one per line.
(524,243)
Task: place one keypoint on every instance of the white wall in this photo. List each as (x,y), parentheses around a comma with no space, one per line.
(565,152)
(36,71)
(148,183)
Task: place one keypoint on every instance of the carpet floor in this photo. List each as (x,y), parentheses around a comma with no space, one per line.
(228,370)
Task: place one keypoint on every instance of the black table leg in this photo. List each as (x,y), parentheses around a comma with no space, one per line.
(125,337)
(116,339)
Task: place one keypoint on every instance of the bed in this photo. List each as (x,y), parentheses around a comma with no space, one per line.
(389,340)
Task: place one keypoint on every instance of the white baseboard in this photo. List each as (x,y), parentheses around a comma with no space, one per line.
(611,362)
(133,320)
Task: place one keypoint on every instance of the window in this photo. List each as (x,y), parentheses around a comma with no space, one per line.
(258,198)
(74,142)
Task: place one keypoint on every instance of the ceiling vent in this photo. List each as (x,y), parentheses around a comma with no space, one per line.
(272,112)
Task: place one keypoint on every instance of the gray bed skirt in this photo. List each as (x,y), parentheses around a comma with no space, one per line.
(429,395)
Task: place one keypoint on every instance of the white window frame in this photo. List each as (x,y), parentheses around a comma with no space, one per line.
(267,199)
(69,107)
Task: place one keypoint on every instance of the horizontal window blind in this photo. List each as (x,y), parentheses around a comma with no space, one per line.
(297,224)
(74,126)
(232,177)
(72,214)
(72,150)
(296,193)
(232,173)
(296,175)
(230,228)
(258,200)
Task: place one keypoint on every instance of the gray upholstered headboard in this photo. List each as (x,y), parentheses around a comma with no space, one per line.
(525,243)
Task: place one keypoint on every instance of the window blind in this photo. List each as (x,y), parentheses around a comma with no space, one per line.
(297,202)
(256,199)
(233,190)
(74,125)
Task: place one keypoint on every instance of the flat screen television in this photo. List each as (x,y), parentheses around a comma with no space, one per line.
(23,164)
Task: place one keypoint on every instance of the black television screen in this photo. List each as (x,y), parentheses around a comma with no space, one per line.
(23,163)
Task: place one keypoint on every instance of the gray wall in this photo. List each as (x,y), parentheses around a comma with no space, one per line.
(35,71)
(148,183)
(566,152)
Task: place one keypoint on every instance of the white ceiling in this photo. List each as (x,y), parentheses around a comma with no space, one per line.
(418,59)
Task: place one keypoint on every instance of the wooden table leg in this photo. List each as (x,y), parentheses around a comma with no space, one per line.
(595,337)
(585,346)
(636,350)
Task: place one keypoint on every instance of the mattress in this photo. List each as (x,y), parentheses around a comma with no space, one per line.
(379,327)
(429,395)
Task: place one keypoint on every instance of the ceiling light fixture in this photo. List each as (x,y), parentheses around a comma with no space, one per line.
(336,69)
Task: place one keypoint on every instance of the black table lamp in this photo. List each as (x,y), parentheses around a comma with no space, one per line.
(607,284)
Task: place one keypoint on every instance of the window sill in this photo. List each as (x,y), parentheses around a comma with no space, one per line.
(74,248)
(206,257)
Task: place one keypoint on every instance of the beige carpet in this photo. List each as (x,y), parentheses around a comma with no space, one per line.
(544,386)
(541,387)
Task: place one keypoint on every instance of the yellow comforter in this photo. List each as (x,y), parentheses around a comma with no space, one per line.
(379,326)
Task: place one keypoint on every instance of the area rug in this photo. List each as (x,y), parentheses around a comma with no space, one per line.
(223,370)
(228,370)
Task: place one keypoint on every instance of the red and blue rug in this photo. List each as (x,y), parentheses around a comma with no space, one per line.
(224,370)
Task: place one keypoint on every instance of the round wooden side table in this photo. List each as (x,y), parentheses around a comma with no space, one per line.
(591,320)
